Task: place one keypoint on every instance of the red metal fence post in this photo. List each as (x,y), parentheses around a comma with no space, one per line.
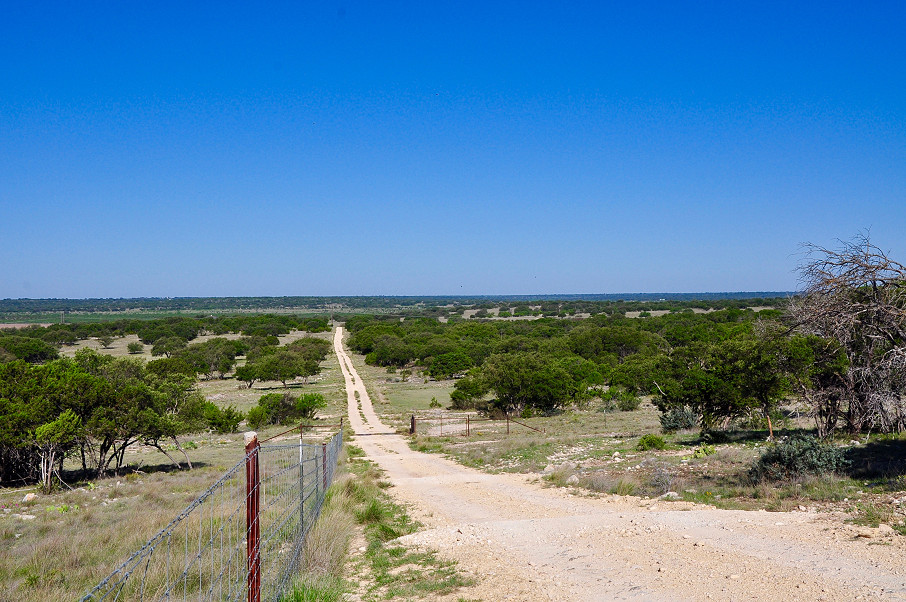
(252,522)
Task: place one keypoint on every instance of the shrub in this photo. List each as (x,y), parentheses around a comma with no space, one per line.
(307,405)
(678,419)
(624,400)
(703,451)
(34,351)
(256,417)
(283,408)
(651,442)
(222,420)
(797,457)
(170,365)
(662,479)
(629,403)
(135,347)
(467,392)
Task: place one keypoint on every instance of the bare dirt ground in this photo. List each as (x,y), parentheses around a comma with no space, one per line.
(522,541)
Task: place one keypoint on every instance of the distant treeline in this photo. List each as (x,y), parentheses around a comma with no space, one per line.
(729,368)
(151,331)
(12,306)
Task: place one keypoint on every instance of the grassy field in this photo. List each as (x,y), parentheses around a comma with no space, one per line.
(398,395)
(59,545)
(64,543)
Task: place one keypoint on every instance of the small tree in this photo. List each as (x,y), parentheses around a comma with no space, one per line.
(135,347)
(53,440)
(283,365)
(528,380)
(247,374)
(856,296)
(277,408)
(105,340)
(167,346)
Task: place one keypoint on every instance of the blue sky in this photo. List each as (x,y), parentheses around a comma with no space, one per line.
(384,148)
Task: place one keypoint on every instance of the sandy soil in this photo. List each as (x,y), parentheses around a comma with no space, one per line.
(522,541)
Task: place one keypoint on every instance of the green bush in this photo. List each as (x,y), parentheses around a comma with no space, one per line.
(703,451)
(34,351)
(624,400)
(678,419)
(797,457)
(308,404)
(284,408)
(257,417)
(222,420)
(629,403)
(651,442)
(135,347)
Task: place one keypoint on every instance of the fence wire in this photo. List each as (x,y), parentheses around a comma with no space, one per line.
(203,554)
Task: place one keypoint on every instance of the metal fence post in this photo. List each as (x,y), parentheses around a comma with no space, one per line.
(252,517)
(467,426)
(324,464)
(301,481)
(412,425)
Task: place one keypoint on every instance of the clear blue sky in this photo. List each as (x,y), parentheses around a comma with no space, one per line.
(347,148)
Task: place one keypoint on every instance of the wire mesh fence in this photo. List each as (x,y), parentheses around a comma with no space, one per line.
(466,425)
(241,539)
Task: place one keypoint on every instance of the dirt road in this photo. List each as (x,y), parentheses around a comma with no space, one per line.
(526,542)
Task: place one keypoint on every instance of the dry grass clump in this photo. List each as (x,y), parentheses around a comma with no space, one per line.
(603,482)
(328,541)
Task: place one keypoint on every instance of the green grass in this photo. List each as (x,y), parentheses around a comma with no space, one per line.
(323,589)
(390,570)
(411,398)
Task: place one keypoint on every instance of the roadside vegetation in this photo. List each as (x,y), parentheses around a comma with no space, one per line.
(352,549)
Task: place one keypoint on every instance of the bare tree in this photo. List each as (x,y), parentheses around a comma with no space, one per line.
(856,296)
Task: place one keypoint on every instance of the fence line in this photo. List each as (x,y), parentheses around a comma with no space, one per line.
(463,425)
(242,539)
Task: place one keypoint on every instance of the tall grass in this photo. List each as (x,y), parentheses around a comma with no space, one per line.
(77,537)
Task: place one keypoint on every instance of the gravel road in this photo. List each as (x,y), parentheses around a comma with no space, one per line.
(522,541)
